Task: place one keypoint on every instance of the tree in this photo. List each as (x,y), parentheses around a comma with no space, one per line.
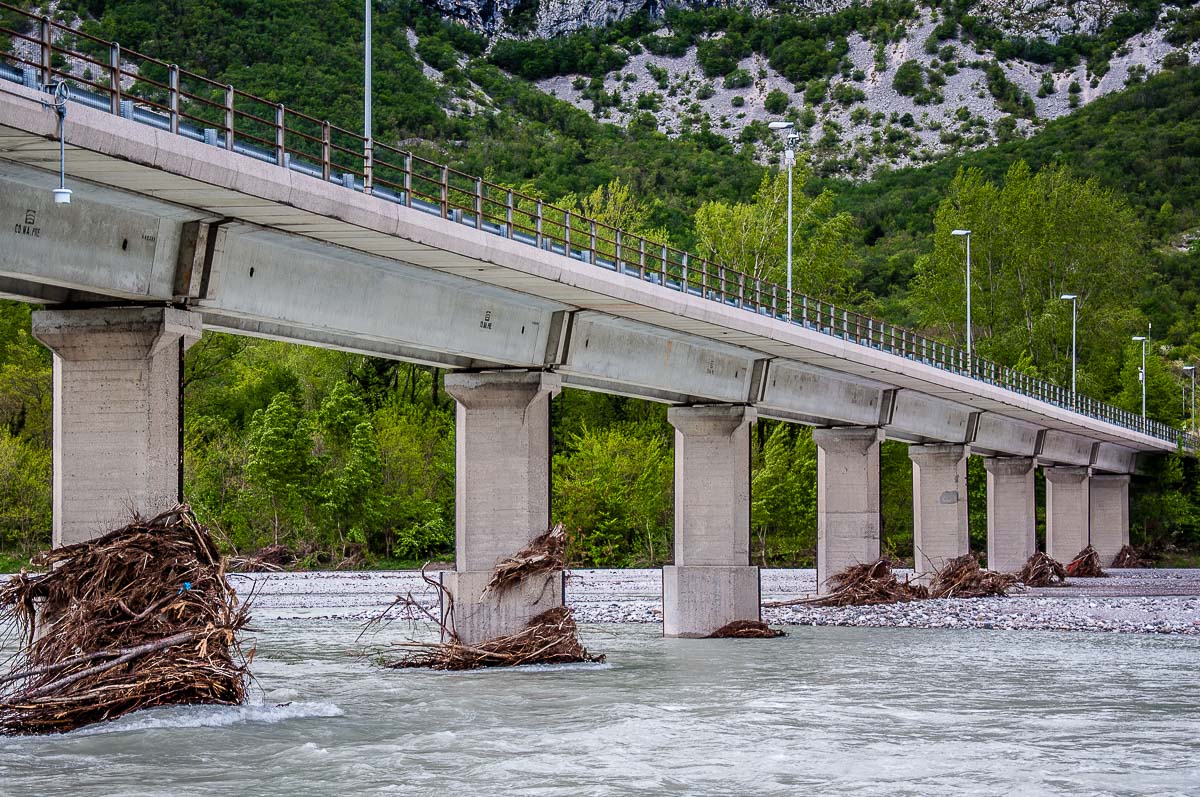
(783,510)
(752,237)
(909,79)
(280,460)
(1034,238)
(1162,389)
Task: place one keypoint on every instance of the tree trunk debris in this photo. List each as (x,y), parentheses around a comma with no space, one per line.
(746,629)
(962,577)
(862,585)
(1041,570)
(1126,558)
(140,617)
(1086,564)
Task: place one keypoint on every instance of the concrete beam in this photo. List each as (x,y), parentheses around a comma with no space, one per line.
(1063,448)
(940,530)
(847,500)
(502,495)
(1067,512)
(1109,515)
(632,358)
(1111,458)
(117,410)
(819,397)
(311,291)
(711,583)
(998,436)
(1011,513)
(917,418)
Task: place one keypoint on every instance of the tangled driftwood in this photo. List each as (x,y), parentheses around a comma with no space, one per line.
(746,629)
(272,559)
(862,585)
(962,577)
(1126,558)
(549,638)
(140,617)
(1041,570)
(1086,564)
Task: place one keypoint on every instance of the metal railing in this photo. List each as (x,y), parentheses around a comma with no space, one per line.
(109,77)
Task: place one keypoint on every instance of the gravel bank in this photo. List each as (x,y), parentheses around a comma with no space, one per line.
(1131,601)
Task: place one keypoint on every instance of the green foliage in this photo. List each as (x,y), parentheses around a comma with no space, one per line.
(783,514)
(909,79)
(24,494)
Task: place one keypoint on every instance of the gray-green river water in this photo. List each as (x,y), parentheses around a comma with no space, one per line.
(824,711)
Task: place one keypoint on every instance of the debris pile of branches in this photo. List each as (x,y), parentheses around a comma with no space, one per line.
(1086,564)
(1126,558)
(863,585)
(746,629)
(543,554)
(962,577)
(549,638)
(140,617)
(272,559)
(1042,571)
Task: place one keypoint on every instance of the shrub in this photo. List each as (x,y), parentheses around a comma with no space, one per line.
(776,101)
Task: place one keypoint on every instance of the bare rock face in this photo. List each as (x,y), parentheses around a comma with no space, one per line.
(1049,19)
(558,17)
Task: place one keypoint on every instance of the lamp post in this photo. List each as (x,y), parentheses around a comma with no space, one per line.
(789,159)
(1192,368)
(1074,307)
(368,140)
(967,235)
(1142,372)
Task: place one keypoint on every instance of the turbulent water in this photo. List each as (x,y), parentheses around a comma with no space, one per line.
(824,711)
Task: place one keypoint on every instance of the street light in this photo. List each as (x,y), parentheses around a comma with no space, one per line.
(1142,373)
(1074,306)
(789,159)
(368,141)
(1192,368)
(967,234)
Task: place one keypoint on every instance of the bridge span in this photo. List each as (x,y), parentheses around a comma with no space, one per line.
(174,227)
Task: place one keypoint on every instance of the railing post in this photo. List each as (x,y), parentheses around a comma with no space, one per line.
(445,192)
(280,135)
(803,311)
(567,233)
(326,150)
(642,258)
(229,119)
(619,253)
(368,165)
(685,272)
(664,265)
(508,213)
(478,203)
(47,50)
(774,300)
(741,290)
(173,96)
(408,167)
(592,239)
(704,279)
(538,225)
(114,78)
(721,281)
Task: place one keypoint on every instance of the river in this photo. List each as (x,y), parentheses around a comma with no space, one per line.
(824,711)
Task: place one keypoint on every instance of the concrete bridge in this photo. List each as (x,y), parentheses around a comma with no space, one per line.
(174,227)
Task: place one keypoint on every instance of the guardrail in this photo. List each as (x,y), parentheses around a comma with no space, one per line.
(162,95)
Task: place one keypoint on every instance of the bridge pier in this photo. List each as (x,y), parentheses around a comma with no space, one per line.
(1067,510)
(117,412)
(847,499)
(939,506)
(1109,515)
(712,582)
(502,497)
(1011,513)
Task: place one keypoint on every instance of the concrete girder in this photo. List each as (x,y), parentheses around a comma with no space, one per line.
(819,397)
(998,436)
(918,418)
(1063,448)
(631,358)
(1112,458)
(310,291)
(106,241)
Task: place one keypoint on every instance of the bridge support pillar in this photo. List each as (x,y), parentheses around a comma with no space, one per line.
(1011,513)
(502,498)
(939,506)
(711,583)
(1067,510)
(1109,515)
(847,499)
(117,410)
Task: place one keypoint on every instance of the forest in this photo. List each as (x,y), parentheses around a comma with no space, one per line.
(338,455)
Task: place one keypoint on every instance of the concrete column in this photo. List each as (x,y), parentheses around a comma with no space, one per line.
(939,506)
(1109,515)
(117,413)
(1011,512)
(711,583)
(502,497)
(1067,510)
(847,499)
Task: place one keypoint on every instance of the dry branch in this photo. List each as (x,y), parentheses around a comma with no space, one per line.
(1042,571)
(862,585)
(544,554)
(962,577)
(1126,558)
(140,617)
(1086,564)
(746,629)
